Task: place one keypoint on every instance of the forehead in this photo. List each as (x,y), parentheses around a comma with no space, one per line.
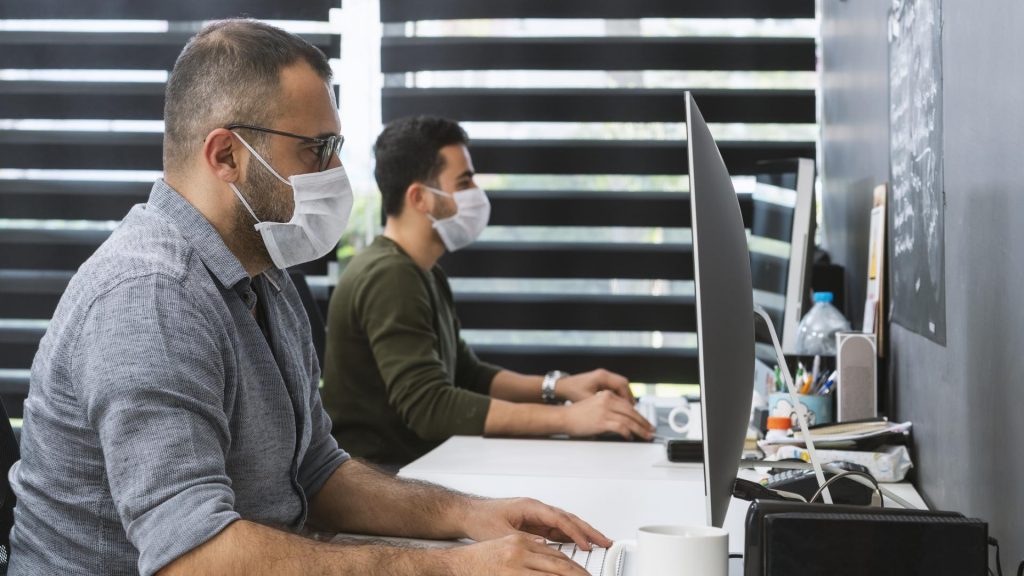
(456,160)
(307,104)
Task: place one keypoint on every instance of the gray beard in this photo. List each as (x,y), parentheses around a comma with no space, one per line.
(270,199)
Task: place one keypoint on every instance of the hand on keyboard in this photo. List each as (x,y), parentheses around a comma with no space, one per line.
(592,561)
(512,556)
(605,412)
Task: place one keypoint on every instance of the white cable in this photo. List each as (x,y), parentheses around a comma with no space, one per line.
(885,491)
(801,410)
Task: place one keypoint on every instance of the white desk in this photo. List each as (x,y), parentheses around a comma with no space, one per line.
(615,486)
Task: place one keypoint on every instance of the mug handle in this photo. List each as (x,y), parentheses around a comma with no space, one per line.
(672,419)
(611,558)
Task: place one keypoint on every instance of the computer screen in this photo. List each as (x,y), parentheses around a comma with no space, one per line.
(725,313)
(782,242)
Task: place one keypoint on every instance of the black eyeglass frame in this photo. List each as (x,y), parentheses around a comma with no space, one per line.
(329,146)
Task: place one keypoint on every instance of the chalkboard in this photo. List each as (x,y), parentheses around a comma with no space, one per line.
(917,203)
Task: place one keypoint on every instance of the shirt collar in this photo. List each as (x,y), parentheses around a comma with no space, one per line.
(204,238)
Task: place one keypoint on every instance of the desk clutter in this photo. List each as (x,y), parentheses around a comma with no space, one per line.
(877,444)
(881,446)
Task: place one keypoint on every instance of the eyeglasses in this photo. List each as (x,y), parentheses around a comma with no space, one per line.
(328,146)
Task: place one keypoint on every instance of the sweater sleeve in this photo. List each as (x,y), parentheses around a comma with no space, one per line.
(470,372)
(473,373)
(393,307)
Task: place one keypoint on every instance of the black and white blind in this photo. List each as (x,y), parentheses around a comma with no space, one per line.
(576,110)
(81,106)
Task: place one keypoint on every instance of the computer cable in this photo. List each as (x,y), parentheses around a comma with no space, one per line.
(844,474)
(999,563)
(888,493)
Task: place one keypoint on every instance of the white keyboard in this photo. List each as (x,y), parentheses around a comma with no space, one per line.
(593,561)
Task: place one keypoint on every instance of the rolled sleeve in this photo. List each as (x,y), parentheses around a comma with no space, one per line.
(323,455)
(151,378)
(401,334)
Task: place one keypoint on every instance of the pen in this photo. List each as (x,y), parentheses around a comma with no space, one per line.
(821,383)
(816,368)
(822,378)
(829,384)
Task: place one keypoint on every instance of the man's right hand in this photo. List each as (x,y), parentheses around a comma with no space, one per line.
(606,412)
(514,555)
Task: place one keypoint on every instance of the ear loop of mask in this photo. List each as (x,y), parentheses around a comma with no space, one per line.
(433,190)
(244,203)
(265,165)
(260,158)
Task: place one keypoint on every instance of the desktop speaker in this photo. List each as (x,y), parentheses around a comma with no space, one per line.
(856,385)
(798,539)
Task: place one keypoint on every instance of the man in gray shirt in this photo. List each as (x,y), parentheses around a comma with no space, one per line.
(174,424)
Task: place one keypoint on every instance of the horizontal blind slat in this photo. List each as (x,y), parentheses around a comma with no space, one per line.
(410,10)
(182,10)
(599,105)
(410,54)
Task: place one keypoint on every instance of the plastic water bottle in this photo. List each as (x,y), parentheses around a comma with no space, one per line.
(817,332)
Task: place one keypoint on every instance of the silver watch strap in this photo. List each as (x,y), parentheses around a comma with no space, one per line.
(547,387)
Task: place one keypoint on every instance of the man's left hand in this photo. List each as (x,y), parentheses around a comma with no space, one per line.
(582,386)
(490,519)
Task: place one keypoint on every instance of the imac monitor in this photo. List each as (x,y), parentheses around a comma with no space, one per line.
(725,313)
(783,211)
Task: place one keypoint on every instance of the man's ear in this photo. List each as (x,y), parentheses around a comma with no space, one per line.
(222,155)
(417,198)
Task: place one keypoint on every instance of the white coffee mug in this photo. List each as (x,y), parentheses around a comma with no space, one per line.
(679,417)
(673,551)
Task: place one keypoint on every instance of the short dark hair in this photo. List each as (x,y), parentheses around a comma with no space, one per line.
(409,150)
(229,73)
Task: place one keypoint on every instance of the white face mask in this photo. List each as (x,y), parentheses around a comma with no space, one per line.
(469,221)
(323,202)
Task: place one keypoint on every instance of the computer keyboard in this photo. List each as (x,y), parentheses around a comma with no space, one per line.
(592,561)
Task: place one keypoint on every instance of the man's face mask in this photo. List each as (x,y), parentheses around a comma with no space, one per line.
(323,203)
(470,219)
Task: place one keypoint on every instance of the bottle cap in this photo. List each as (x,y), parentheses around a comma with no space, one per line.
(823,297)
(779,423)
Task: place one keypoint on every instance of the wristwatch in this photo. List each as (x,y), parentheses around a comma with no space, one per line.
(547,387)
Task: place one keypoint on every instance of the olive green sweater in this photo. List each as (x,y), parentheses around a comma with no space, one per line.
(398,378)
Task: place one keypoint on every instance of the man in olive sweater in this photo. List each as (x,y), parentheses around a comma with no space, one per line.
(398,377)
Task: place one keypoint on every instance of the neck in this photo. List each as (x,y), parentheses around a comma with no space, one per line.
(419,242)
(249,250)
(236,230)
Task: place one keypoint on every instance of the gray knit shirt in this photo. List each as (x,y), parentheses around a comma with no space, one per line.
(158,411)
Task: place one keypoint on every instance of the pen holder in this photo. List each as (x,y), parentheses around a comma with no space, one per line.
(819,407)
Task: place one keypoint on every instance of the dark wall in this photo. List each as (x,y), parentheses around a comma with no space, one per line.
(855,133)
(966,398)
